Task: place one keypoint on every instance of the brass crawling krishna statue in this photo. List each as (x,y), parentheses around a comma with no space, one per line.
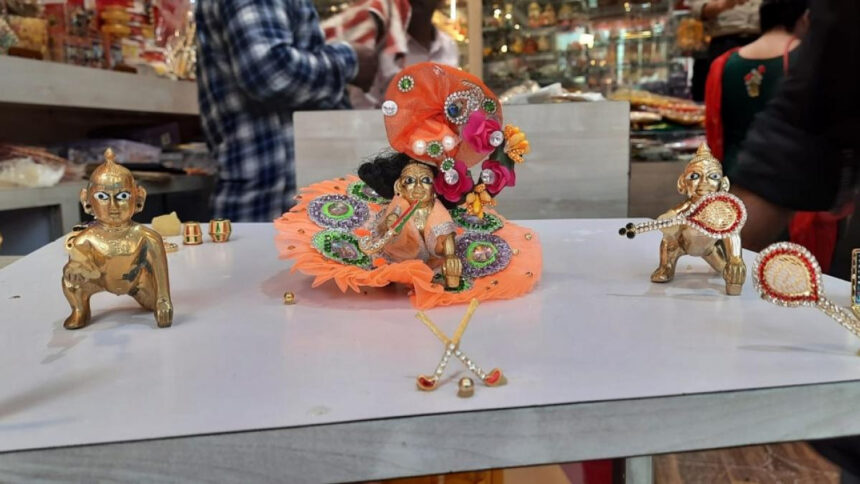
(115,254)
(702,176)
(707,224)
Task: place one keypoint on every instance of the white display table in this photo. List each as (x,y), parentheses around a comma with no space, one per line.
(601,362)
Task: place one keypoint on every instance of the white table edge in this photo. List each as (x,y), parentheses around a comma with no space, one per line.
(452,442)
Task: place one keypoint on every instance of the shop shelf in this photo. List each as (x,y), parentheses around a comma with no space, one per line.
(654,39)
(643,65)
(540,56)
(524,30)
(39,83)
(550,29)
(639,10)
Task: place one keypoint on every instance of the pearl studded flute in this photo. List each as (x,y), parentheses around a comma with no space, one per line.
(788,275)
(716,215)
(369,245)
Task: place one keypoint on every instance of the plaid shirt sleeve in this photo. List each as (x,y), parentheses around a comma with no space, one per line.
(267,62)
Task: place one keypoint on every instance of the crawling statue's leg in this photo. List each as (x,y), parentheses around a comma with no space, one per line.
(716,258)
(78,296)
(144,297)
(734,270)
(670,251)
(733,274)
(145,294)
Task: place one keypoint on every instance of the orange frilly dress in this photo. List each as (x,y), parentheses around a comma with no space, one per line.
(500,259)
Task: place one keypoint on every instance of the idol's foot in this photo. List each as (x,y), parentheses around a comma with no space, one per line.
(77,320)
(663,274)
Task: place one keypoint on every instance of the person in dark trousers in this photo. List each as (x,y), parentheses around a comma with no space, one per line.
(803,153)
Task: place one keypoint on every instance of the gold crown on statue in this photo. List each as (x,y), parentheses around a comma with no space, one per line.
(705,157)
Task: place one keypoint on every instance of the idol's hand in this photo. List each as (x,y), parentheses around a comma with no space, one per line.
(452,269)
(163,312)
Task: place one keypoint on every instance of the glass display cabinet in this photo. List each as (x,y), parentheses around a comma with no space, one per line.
(588,45)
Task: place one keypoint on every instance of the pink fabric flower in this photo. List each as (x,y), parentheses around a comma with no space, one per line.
(453,192)
(502,176)
(477,131)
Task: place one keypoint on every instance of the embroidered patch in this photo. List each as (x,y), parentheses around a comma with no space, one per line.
(489,224)
(338,211)
(341,246)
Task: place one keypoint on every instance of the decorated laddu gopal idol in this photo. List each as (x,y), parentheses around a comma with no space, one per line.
(115,254)
(416,214)
(706,225)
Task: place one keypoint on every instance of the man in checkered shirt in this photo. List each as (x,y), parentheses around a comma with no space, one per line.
(258,62)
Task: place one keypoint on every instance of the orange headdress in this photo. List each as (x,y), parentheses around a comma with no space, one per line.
(435,112)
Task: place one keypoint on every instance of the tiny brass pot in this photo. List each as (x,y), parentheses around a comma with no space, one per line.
(220,230)
(191,234)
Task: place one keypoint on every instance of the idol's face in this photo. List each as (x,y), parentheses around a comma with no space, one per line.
(701,179)
(113,206)
(416,183)
(113,199)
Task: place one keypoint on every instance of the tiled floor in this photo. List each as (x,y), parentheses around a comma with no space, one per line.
(793,463)
(766,464)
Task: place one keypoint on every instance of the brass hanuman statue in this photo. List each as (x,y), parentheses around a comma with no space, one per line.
(115,254)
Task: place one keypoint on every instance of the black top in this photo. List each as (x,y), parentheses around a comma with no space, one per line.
(802,150)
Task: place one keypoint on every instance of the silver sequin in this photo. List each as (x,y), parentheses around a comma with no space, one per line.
(389,108)
(452,177)
(488,177)
(497,138)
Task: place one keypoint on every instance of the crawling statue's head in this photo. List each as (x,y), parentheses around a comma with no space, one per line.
(112,197)
(703,175)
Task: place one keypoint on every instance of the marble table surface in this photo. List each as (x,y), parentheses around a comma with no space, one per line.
(237,359)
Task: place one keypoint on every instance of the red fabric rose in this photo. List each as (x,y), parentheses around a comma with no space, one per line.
(453,192)
(477,131)
(502,176)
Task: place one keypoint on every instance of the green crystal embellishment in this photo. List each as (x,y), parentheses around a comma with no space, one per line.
(490,106)
(434,149)
(405,84)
